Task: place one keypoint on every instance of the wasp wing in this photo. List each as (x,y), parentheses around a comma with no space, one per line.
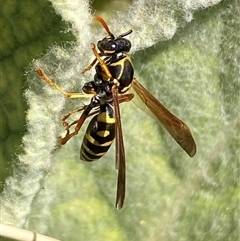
(175,127)
(120,153)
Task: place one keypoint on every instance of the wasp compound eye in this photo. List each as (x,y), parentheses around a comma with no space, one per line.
(108,46)
(123,45)
(111,46)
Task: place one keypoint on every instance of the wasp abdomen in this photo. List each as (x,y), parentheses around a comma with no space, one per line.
(99,135)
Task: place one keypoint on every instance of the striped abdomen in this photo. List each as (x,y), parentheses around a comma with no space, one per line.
(99,135)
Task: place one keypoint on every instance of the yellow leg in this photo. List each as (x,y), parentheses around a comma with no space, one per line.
(101,62)
(92,64)
(103,65)
(121,99)
(69,95)
(89,66)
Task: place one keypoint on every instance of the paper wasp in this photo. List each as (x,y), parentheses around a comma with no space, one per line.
(113,77)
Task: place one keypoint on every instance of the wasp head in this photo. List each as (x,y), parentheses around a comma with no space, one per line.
(111,45)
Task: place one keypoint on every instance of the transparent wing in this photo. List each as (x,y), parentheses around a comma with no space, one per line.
(175,127)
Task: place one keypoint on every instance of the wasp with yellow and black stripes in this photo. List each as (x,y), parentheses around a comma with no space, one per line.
(114,76)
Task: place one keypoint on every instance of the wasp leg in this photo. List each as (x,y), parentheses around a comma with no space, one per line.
(67,94)
(79,123)
(121,99)
(125,98)
(103,65)
(66,124)
(91,65)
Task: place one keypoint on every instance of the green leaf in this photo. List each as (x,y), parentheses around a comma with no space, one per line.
(193,71)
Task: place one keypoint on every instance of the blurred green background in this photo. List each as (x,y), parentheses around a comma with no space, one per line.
(28,29)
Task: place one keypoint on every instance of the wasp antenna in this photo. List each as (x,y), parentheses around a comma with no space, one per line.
(104,24)
(125,34)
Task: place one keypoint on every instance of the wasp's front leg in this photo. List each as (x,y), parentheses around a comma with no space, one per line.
(67,94)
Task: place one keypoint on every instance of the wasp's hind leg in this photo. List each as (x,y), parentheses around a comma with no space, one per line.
(65,123)
(78,123)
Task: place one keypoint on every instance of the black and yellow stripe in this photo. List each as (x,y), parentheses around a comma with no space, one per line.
(99,135)
(121,68)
